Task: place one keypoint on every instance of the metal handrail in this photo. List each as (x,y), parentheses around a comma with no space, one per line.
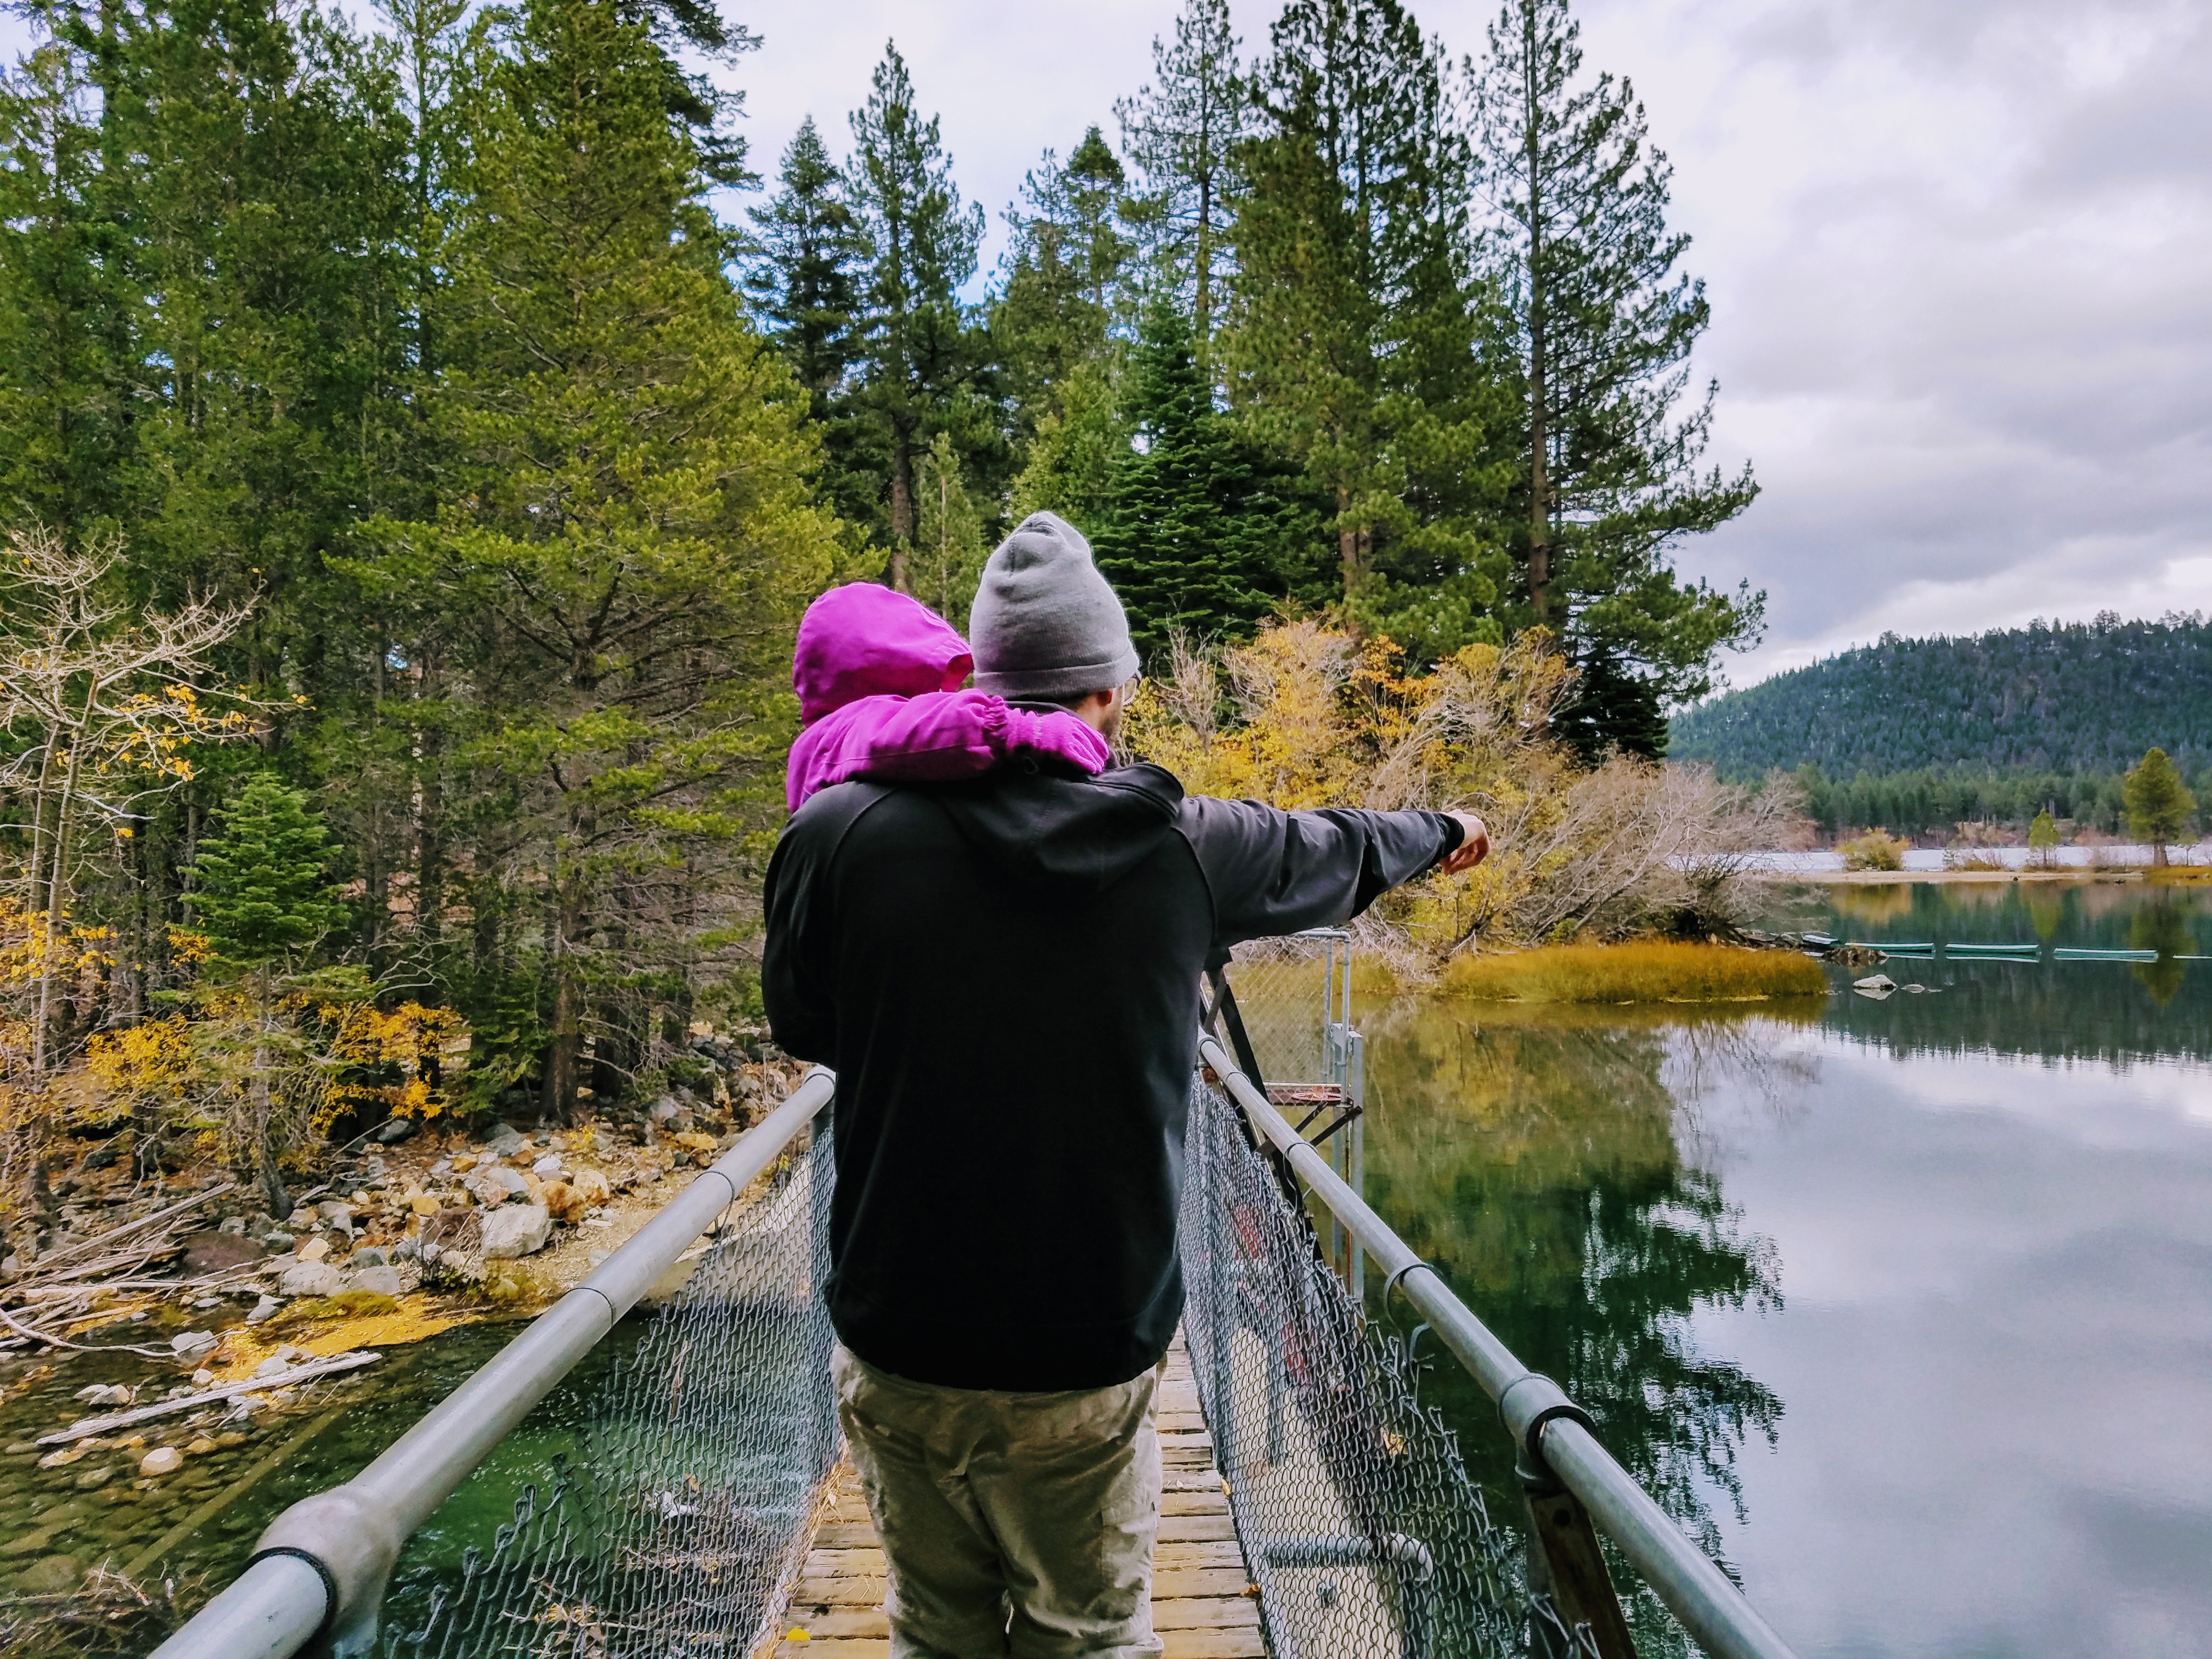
(320,1569)
(1545,1425)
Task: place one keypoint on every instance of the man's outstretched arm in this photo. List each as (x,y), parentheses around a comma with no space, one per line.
(1272,871)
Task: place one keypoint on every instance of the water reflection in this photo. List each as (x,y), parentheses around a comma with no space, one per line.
(1538,1164)
(1987,1203)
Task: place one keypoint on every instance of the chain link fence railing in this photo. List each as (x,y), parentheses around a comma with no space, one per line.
(1363,1531)
(678,1526)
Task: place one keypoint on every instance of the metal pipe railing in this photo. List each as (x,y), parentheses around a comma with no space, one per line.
(1545,1425)
(320,1569)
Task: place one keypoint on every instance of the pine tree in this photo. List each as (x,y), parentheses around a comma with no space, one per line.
(923,246)
(629,538)
(2158,805)
(1182,132)
(1196,527)
(1350,341)
(1598,324)
(805,288)
(2043,840)
(262,899)
(950,548)
(1069,465)
(1052,324)
(64,309)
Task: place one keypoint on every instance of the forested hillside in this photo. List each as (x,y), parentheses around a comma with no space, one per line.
(2081,698)
(411,485)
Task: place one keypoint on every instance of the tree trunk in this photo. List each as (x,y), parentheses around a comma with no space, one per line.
(264,1128)
(2158,855)
(902,520)
(1540,505)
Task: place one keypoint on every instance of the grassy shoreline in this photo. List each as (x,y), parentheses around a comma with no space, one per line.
(1636,970)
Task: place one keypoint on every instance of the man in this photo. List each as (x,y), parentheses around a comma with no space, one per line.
(1003,973)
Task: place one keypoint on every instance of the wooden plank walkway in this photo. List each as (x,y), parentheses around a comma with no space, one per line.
(1204,1604)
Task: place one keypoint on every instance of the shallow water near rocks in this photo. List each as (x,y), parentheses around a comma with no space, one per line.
(1904,1306)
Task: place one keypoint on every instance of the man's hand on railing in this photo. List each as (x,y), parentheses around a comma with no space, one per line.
(1473,847)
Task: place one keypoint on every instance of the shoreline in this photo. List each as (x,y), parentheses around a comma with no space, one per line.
(1943,878)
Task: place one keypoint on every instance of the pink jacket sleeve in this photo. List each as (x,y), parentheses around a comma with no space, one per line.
(931,739)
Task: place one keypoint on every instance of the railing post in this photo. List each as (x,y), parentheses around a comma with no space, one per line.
(1567,1568)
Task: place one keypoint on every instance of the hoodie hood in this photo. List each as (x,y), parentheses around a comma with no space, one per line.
(1054,829)
(863,641)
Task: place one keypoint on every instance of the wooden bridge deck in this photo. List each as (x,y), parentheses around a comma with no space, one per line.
(1204,1604)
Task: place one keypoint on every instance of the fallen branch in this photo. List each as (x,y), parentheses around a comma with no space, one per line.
(83,1426)
(199,1198)
(13,1323)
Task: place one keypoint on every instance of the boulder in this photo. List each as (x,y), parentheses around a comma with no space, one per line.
(162,1460)
(264,1310)
(385,1281)
(1874,984)
(336,1213)
(664,1109)
(547,1166)
(370,1255)
(314,1249)
(190,1342)
(563,1202)
(211,1253)
(503,1141)
(515,1230)
(592,1185)
(311,1279)
(488,1193)
(514,1180)
(395,1131)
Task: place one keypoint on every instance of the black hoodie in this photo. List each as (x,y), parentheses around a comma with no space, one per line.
(1003,973)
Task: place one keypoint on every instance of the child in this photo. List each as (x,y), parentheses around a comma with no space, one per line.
(877,676)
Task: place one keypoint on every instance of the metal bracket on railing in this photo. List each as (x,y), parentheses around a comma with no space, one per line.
(1564,1561)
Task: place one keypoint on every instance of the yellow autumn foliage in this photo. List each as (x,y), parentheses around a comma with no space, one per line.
(1307,716)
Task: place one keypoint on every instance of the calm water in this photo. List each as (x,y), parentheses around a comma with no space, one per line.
(1906,1306)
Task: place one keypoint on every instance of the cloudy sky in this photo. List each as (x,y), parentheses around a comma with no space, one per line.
(1959,254)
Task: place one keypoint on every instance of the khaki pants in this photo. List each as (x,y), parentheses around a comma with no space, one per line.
(1017,1526)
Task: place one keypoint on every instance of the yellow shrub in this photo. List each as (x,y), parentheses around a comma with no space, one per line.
(1877,849)
(1644,970)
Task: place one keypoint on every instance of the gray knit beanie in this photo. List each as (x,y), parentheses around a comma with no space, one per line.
(1045,624)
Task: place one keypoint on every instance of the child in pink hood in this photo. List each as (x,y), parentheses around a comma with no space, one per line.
(878,675)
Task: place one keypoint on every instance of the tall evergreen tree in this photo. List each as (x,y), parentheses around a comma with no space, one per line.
(1182,132)
(65,310)
(1599,326)
(262,898)
(2158,805)
(1197,527)
(1350,340)
(628,534)
(1053,321)
(919,357)
(805,290)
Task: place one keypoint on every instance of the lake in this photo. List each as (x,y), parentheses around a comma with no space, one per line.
(1903,1306)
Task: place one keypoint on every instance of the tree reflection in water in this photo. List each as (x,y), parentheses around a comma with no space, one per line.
(1536,1159)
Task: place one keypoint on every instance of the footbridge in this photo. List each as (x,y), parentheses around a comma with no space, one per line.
(1314,1507)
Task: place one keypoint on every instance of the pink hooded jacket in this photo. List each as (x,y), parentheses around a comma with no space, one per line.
(877,675)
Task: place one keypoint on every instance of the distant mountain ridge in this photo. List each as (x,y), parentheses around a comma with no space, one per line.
(2075,697)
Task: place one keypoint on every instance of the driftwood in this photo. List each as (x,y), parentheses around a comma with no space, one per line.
(83,1426)
(114,1234)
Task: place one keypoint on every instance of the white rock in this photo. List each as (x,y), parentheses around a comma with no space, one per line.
(548,1165)
(203,1377)
(514,1229)
(162,1460)
(311,1279)
(272,1367)
(186,1342)
(267,1308)
(385,1281)
(513,1180)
